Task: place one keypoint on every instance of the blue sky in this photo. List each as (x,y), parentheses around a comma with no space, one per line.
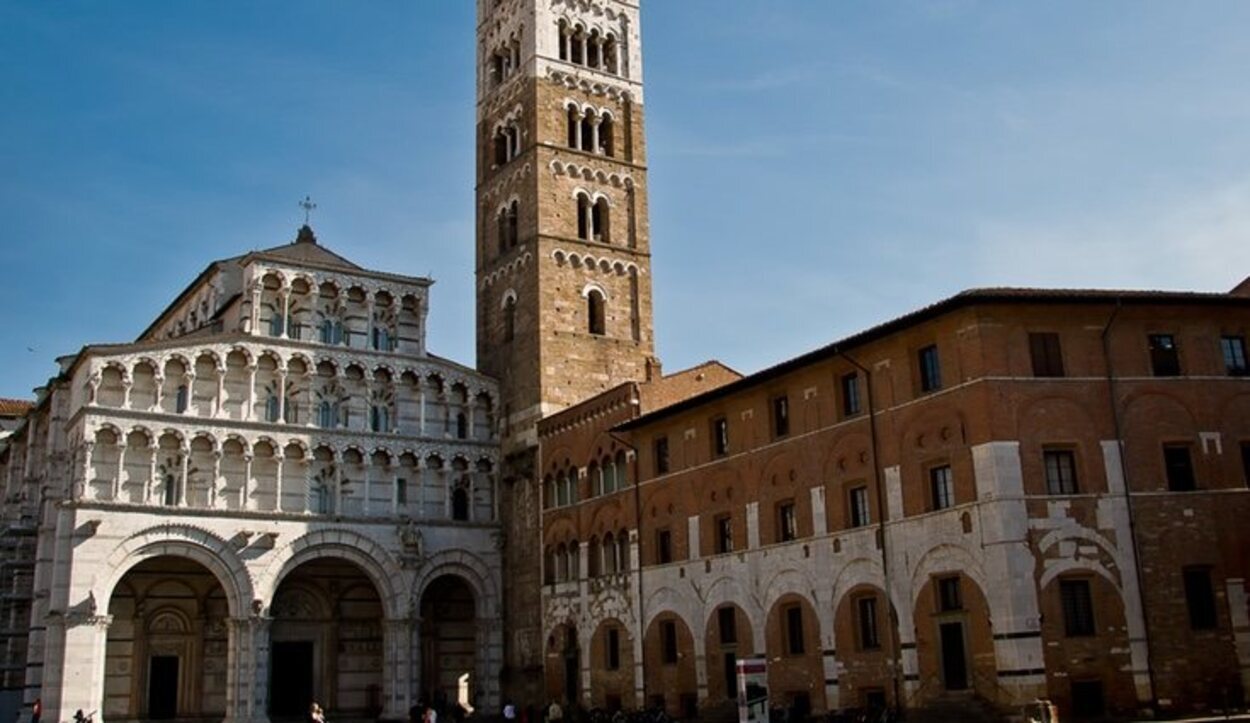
(816,167)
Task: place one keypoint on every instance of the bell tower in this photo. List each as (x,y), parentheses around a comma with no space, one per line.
(563,249)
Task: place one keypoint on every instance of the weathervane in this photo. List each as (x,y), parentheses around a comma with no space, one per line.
(308,206)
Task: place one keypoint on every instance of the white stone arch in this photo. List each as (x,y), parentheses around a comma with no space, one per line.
(373,559)
(667,600)
(860,571)
(468,567)
(788,581)
(729,590)
(947,557)
(1063,567)
(592,286)
(508,296)
(185,541)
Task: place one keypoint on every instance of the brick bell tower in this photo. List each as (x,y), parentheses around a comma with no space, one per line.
(563,249)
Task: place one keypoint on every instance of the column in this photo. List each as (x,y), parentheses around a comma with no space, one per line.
(338,484)
(417,494)
(246,491)
(369,315)
(311,419)
(188,380)
(250,412)
(126,385)
(594,135)
(121,467)
(308,481)
(277,483)
(185,453)
(490,662)
(80,490)
(281,397)
(285,294)
(255,318)
(220,400)
(390,475)
(577,131)
(368,465)
(421,405)
(700,662)
(159,381)
(151,484)
(589,213)
(215,486)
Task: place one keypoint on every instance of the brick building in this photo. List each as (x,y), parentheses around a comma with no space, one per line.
(1008,494)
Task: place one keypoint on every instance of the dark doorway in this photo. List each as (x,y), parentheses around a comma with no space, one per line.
(163,687)
(1087,699)
(291,678)
(954,664)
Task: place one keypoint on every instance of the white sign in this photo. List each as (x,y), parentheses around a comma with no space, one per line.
(753,690)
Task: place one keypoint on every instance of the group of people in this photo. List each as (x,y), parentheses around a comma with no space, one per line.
(529,714)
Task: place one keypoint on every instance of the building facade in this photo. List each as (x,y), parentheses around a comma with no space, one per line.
(1008,495)
(276,494)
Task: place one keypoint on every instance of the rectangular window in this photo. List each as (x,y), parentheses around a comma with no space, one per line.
(660,449)
(1060,472)
(794,630)
(663,547)
(401,491)
(1078,608)
(720,437)
(866,622)
(724,534)
(614,649)
(1047,358)
(859,507)
(1179,467)
(727,623)
(850,394)
(1234,348)
(930,369)
(941,487)
(668,641)
(1165,360)
(781,416)
(787,522)
(1200,598)
(949,594)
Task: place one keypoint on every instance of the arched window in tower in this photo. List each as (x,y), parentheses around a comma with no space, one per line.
(170,496)
(606,145)
(583,216)
(509,319)
(181,399)
(563,28)
(579,46)
(575,127)
(514,141)
(462,426)
(501,224)
(513,223)
(595,312)
(588,132)
(501,146)
(622,470)
(599,221)
(271,407)
(611,62)
(593,47)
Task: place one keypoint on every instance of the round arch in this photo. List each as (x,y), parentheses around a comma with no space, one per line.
(378,564)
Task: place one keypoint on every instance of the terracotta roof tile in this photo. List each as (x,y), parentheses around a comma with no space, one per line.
(15,407)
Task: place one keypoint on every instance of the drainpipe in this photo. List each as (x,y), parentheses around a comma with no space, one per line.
(1128,497)
(895,654)
(642,616)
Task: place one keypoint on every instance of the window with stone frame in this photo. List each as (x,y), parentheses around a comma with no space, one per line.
(1165,360)
(727,625)
(1179,467)
(866,622)
(724,528)
(1077,601)
(1046,355)
(941,487)
(663,546)
(720,437)
(781,416)
(849,387)
(660,458)
(1060,466)
(950,595)
(1233,349)
(787,521)
(792,620)
(596,313)
(668,642)
(930,369)
(860,515)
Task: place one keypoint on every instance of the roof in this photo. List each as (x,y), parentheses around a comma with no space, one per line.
(970,297)
(15,407)
(305,250)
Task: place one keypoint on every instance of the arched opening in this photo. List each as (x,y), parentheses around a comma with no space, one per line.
(600,219)
(449,644)
(606,144)
(588,132)
(168,645)
(326,642)
(583,217)
(564,665)
(728,638)
(509,319)
(575,128)
(460,504)
(595,313)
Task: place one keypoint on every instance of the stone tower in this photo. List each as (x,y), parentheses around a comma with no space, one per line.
(563,249)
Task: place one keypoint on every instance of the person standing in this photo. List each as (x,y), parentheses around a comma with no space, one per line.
(555,714)
(509,710)
(36,710)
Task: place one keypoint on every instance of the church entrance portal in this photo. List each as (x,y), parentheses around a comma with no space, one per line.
(449,643)
(326,642)
(166,643)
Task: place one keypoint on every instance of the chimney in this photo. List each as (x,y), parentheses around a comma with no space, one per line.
(654,369)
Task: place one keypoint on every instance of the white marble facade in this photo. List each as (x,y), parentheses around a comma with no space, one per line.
(278,435)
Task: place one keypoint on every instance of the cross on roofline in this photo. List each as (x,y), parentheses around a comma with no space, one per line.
(308,206)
